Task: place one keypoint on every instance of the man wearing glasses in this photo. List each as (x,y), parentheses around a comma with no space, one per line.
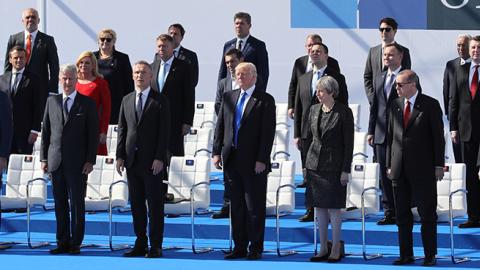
(374,65)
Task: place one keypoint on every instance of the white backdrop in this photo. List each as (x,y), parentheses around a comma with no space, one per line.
(209,23)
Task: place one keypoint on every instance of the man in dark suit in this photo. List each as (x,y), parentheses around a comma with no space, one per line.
(23,87)
(233,57)
(415,160)
(41,57)
(177,32)
(449,78)
(173,78)
(388,28)
(243,141)
(305,97)
(385,93)
(6,133)
(254,50)
(68,152)
(143,130)
(303,65)
(464,115)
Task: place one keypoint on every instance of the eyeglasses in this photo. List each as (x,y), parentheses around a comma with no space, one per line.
(105,39)
(386,29)
(399,84)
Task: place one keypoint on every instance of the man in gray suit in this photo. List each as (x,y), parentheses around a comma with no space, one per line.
(42,57)
(68,152)
(374,65)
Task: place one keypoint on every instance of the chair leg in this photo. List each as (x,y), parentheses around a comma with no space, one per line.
(192,217)
(452,244)
(277,215)
(364,245)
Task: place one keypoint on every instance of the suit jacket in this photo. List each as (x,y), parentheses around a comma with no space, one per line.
(254,51)
(144,140)
(71,142)
(256,133)
(27,108)
(332,147)
(373,67)
(6,125)
(191,58)
(379,109)
(304,99)
(418,149)
(179,91)
(43,60)
(299,68)
(464,111)
(118,74)
(224,85)
(448,79)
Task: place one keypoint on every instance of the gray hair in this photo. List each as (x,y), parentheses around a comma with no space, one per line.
(329,85)
(143,62)
(68,68)
(466,36)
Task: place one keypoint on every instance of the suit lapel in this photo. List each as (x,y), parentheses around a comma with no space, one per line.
(250,105)
(416,108)
(148,103)
(331,121)
(73,109)
(171,74)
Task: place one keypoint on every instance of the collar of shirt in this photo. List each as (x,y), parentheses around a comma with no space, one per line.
(18,71)
(176,51)
(244,40)
(464,61)
(33,34)
(309,65)
(395,72)
(169,61)
(144,93)
(385,44)
(412,100)
(249,91)
(321,70)
(71,96)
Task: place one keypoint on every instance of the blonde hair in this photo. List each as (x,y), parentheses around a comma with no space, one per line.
(108,31)
(94,63)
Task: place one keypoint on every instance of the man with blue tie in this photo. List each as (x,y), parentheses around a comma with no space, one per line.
(243,142)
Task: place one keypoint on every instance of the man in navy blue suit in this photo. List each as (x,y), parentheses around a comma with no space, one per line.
(254,50)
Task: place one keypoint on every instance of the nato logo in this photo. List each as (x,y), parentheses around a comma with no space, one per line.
(365,14)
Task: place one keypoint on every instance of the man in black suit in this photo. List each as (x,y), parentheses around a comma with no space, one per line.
(233,57)
(254,50)
(303,65)
(243,141)
(388,28)
(173,78)
(385,93)
(6,133)
(23,87)
(464,115)
(415,160)
(449,78)
(68,152)
(143,130)
(305,97)
(41,57)
(177,32)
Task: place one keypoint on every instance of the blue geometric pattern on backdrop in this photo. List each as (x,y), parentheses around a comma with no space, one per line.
(323,13)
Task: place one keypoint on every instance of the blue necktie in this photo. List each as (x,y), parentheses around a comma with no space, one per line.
(238,116)
(162,76)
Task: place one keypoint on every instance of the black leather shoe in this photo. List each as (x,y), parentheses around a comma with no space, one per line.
(320,258)
(387,221)
(154,253)
(75,250)
(469,224)
(429,261)
(60,249)
(308,217)
(236,255)
(254,255)
(403,261)
(135,252)
(223,213)
(334,260)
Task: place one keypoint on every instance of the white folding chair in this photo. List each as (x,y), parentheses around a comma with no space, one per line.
(198,142)
(37,145)
(26,187)
(112,135)
(205,115)
(282,115)
(356,115)
(280,145)
(188,181)
(360,147)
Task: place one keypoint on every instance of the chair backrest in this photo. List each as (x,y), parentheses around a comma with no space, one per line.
(37,145)
(453,179)
(112,134)
(21,169)
(280,145)
(204,114)
(360,147)
(283,172)
(199,139)
(449,157)
(184,172)
(356,115)
(282,115)
(103,175)
(364,175)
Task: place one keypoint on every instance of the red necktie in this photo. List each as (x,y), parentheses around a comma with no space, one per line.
(28,47)
(406,114)
(474,84)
